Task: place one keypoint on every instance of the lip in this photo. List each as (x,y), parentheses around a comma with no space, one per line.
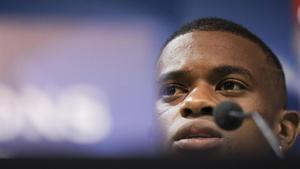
(196,137)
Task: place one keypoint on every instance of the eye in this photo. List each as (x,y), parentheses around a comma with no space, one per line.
(172,90)
(231,85)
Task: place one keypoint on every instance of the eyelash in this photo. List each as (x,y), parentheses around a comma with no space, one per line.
(242,86)
(170,86)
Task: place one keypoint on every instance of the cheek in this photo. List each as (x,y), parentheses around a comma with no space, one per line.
(244,132)
(246,140)
(167,118)
(254,102)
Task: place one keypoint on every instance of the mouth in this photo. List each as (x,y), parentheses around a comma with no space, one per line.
(196,138)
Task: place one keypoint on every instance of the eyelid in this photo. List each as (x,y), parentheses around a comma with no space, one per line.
(173,84)
(245,85)
(164,87)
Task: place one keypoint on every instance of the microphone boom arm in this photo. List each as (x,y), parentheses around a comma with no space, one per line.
(268,134)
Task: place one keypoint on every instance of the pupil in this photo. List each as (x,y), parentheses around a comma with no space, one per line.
(228,86)
(170,90)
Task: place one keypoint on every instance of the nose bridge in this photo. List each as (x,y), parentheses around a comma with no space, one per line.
(201,93)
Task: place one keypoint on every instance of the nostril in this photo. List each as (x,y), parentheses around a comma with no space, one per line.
(187,112)
(207,110)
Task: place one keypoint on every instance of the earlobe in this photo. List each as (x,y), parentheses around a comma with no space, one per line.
(288,129)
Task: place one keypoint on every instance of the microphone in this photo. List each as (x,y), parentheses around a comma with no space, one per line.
(230,116)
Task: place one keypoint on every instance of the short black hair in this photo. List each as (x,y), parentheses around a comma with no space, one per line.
(224,25)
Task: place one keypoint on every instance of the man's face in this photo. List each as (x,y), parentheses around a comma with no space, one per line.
(198,70)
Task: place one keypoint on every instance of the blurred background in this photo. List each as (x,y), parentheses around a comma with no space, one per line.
(76,76)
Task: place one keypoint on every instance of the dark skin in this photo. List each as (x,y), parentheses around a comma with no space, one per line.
(200,69)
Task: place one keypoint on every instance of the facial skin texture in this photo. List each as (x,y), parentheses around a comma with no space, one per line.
(198,70)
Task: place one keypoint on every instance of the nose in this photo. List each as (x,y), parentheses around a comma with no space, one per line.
(198,103)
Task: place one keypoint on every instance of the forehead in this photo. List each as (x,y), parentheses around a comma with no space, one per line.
(211,48)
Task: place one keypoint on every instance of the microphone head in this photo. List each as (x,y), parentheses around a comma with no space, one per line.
(228,115)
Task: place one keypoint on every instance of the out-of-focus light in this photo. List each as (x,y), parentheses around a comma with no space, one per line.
(11,120)
(87,114)
(78,114)
(40,115)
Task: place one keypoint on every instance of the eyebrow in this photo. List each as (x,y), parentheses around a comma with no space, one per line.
(215,73)
(225,70)
(174,75)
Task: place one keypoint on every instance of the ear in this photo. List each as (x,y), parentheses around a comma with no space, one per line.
(288,129)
